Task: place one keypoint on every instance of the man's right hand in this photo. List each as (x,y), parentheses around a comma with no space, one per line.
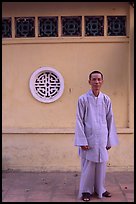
(85,147)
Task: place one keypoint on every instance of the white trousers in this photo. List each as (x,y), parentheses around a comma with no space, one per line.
(92,177)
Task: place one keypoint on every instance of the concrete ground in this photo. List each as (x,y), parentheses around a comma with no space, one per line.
(62,187)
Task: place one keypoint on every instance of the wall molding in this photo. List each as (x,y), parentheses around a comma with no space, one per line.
(55,130)
(103,39)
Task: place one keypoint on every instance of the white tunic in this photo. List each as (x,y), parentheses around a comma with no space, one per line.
(95,126)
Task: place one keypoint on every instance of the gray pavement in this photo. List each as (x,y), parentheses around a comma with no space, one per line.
(62,187)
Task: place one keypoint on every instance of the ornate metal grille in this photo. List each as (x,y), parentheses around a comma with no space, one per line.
(6,28)
(48,26)
(24,27)
(116,25)
(46,84)
(94,25)
(71,26)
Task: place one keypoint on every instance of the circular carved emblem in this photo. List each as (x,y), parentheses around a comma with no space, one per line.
(46,84)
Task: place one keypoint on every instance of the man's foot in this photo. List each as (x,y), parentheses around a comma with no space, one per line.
(86,196)
(106,194)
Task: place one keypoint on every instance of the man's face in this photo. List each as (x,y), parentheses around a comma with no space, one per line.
(96,81)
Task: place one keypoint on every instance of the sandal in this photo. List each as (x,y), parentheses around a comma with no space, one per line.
(86,196)
(106,194)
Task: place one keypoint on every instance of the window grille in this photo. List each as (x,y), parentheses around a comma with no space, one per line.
(6,27)
(24,27)
(94,25)
(48,26)
(46,84)
(71,26)
(116,25)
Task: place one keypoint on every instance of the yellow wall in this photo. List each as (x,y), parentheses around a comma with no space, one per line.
(55,152)
(39,136)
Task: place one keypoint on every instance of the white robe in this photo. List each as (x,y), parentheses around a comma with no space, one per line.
(92,177)
(95,126)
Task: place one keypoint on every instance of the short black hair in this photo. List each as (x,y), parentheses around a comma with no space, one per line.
(95,72)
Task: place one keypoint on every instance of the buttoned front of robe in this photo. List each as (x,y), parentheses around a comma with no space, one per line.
(95,126)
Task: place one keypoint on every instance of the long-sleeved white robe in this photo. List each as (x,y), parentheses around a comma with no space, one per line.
(95,126)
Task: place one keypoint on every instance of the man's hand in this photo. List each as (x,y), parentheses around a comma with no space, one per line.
(85,147)
(108,148)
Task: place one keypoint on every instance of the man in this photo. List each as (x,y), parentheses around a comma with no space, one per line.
(95,134)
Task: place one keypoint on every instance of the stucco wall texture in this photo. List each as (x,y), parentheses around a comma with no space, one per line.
(40,136)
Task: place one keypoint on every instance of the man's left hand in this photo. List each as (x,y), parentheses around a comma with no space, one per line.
(108,148)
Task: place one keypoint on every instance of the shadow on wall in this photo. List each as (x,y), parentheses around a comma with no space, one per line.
(5,163)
